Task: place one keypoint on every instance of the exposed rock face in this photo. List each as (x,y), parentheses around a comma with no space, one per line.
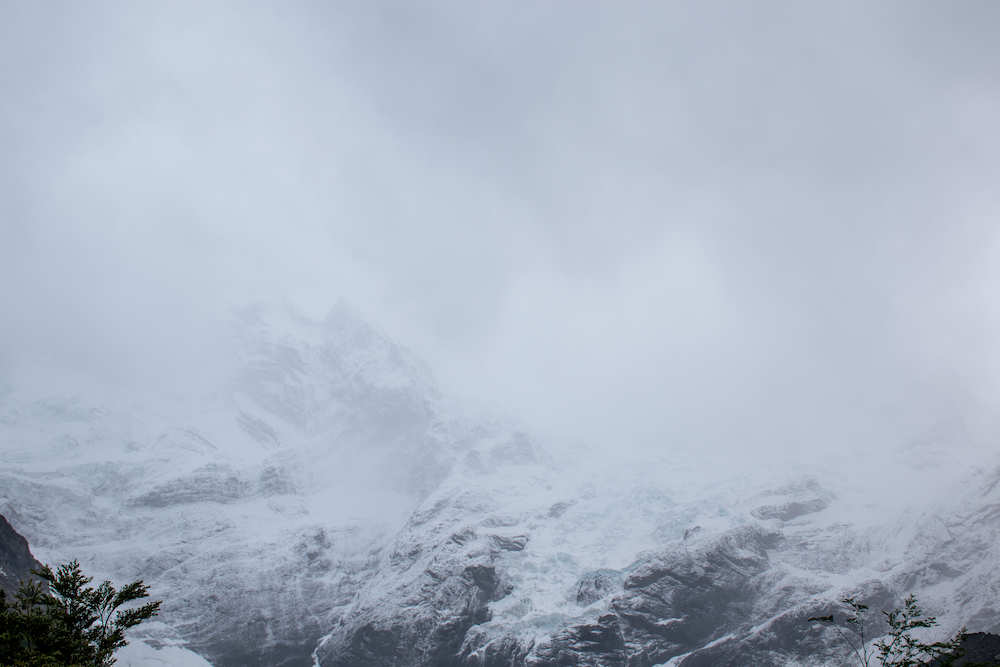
(789,638)
(435,585)
(672,604)
(980,648)
(16,561)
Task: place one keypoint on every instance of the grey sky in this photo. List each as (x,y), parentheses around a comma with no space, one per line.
(671,223)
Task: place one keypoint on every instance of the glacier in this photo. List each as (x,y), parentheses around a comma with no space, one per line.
(320,502)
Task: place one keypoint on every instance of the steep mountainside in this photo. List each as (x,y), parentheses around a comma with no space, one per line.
(319,501)
(257,506)
(517,577)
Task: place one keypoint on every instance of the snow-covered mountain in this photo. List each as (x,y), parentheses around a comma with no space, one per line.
(320,502)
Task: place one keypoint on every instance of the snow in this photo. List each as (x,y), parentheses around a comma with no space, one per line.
(140,654)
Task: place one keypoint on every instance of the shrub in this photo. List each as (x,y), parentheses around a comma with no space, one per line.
(898,648)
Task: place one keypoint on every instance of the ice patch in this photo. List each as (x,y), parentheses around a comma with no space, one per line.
(140,654)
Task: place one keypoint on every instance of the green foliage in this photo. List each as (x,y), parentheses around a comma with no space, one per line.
(71,624)
(898,648)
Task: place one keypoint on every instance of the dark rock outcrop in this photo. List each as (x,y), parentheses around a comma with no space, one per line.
(431,619)
(16,561)
(671,604)
(791,636)
(980,648)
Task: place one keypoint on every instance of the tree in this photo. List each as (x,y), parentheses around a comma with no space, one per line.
(71,624)
(898,648)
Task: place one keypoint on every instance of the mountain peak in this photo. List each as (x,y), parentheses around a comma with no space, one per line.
(366,353)
(304,371)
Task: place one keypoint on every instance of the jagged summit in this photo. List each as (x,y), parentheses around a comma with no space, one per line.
(311,374)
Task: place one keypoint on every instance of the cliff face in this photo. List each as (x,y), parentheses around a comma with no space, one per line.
(16,561)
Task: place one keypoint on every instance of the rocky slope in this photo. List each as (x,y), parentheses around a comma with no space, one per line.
(16,561)
(319,501)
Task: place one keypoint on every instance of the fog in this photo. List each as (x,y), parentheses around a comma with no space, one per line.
(759,226)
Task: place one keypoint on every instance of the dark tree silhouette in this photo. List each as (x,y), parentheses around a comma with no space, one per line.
(60,621)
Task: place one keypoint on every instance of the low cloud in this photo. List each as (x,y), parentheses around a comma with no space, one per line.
(761,227)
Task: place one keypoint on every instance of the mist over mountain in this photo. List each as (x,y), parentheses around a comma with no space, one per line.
(322,501)
(659,226)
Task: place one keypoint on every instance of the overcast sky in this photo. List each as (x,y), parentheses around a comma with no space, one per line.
(770,224)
